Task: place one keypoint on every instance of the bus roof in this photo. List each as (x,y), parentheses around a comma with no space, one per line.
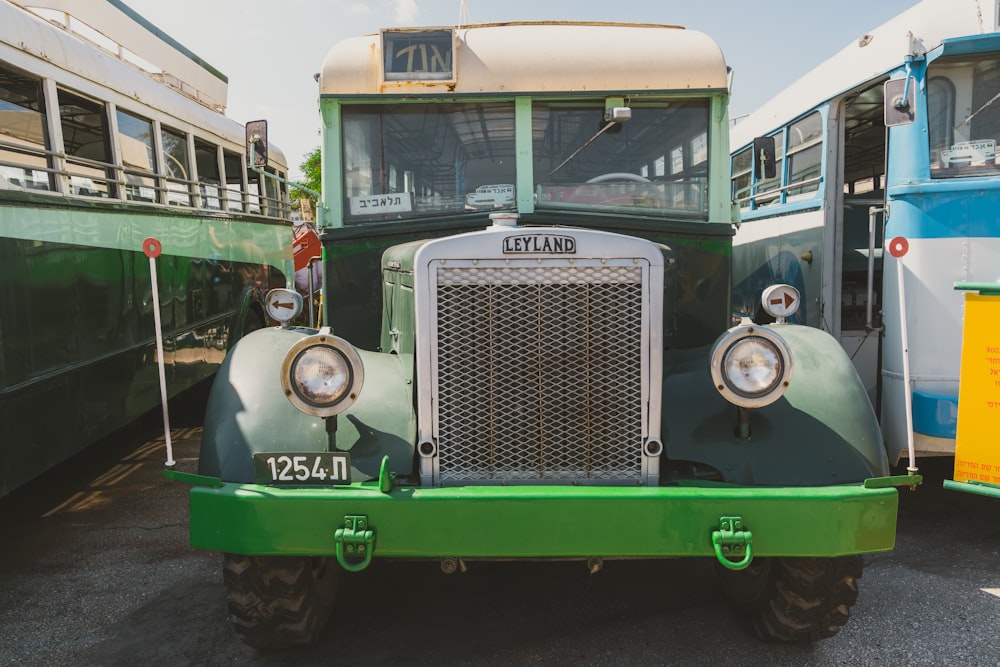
(915,31)
(122,27)
(534,57)
(36,42)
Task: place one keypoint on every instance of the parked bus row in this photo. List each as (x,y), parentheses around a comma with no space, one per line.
(893,139)
(99,150)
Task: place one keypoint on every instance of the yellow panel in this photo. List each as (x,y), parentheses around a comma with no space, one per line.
(977,449)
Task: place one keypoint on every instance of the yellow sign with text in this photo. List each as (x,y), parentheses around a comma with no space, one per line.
(977,440)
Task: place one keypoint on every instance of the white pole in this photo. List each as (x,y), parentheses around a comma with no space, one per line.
(152,248)
(897,248)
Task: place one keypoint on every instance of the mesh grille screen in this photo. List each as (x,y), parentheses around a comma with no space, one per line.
(539,373)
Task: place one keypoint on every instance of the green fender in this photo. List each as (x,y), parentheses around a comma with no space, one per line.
(247,412)
(822,431)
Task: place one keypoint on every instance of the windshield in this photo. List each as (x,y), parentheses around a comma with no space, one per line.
(655,162)
(418,160)
(963,111)
(406,160)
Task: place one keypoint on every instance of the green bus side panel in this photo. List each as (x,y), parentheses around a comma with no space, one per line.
(77,335)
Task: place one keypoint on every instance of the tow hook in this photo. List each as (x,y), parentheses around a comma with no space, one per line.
(354,541)
(732,542)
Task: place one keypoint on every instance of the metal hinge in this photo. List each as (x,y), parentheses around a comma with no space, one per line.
(355,543)
(732,542)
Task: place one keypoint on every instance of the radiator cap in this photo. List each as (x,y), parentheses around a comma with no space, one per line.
(504,219)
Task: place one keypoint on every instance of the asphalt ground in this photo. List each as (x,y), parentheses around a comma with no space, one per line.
(95,569)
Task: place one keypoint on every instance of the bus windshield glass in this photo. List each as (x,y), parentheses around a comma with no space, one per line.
(655,162)
(963,103)
(420,160)
(405,161)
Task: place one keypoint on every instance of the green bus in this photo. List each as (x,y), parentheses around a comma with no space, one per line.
(526,349)
(99,150)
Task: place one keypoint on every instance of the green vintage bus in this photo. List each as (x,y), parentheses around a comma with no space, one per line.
(526,349)
(99,150)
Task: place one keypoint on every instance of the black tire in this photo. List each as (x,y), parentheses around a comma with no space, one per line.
(279,601)
(795,600)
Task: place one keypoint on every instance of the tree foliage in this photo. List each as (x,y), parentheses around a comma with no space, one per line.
(312,170)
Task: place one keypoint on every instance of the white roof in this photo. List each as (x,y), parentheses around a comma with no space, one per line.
(913,32)
(545,56)
(180,68)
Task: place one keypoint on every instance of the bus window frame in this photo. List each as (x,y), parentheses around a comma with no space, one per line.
(748,198)
(702,169)
(956,56)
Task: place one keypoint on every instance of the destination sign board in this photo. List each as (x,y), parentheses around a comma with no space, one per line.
(418,55)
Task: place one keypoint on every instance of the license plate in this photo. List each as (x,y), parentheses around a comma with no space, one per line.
(299,468)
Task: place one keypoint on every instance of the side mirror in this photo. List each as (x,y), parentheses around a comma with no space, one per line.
(257,143)
(763,158)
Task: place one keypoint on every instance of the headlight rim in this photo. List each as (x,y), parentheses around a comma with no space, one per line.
(353,362)
(721,381)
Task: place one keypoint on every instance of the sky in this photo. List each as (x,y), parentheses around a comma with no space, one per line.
(270,49)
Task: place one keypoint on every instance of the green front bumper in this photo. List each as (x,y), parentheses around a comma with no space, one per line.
(541,522)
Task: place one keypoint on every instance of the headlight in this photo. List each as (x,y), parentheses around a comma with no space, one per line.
(322,375)
(751,366)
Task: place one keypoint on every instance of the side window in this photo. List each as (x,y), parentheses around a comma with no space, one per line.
(741,177)
(138,158)
(769,191)
(272,196)
(699,149)
(206,156)
(233,163)
(940,117)
(749,191)
(86,140)
(255,192)
(177,167)
(805,155)
(798,155)
(282,195)
(23,136)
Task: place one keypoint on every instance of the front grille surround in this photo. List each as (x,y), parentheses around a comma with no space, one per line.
(541,369)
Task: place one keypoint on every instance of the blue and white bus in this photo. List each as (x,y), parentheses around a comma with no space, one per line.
(892,139)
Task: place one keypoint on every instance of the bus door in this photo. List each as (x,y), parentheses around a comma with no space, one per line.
(856,288)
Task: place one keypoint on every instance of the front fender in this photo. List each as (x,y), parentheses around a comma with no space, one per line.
(822,431)
(247,412)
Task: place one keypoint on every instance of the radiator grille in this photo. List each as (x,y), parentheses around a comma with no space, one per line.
(539,373)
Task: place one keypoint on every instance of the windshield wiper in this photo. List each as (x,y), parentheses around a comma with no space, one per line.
(976,112)
(614,116)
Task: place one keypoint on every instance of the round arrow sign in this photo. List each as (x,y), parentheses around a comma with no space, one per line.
(780,301)
(283,305)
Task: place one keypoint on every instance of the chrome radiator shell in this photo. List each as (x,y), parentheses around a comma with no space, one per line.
(537,366)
